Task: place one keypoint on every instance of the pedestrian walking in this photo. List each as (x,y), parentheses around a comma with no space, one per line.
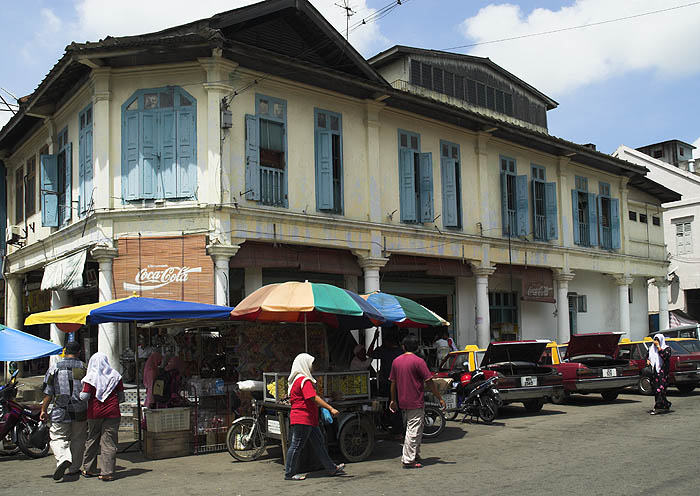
(68,426)
(303,419)
(386,354)
(409,374)
(103,389)
(660,361)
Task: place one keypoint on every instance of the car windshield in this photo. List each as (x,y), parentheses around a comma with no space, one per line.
(478,356)
(677,347)
(457,360)
(693,345)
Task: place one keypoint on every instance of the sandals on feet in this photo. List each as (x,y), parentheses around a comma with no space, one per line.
(297,477)
(413,465)
(87,474)
(106,478)
(339,469)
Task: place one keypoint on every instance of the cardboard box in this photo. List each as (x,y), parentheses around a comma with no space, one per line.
(167,444)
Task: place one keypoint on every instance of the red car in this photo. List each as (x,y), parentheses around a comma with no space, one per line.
(685,363)
(589,366)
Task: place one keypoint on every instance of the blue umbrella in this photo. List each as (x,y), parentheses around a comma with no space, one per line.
(16,346)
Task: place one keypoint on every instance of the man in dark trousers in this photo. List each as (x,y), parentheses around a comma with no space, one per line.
(386,354)
(68,427)
(408,375)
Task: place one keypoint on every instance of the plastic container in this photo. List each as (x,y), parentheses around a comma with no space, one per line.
(168,419)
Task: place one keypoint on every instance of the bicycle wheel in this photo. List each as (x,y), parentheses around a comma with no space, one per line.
(433,422)
(245,440)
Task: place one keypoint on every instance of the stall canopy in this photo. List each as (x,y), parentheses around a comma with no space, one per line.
(16,346)
(402,312)
(65,273)
(131,309)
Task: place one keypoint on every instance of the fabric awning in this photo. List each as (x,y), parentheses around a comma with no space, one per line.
(66,273)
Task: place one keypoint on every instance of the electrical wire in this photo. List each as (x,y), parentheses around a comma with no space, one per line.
(571,28)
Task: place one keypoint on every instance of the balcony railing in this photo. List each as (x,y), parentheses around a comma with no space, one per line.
(272,186)
(540,227)
(606,238)
(512,223)
(584,234)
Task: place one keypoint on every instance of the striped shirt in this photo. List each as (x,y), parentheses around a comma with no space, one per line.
(63,381)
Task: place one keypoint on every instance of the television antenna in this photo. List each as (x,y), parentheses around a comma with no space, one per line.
(348,14)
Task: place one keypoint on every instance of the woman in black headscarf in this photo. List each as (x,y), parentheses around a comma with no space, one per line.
(660,361)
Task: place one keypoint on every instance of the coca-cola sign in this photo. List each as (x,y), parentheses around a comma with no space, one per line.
(157,276)
(176,268)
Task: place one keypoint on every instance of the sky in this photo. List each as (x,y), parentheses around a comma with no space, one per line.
(633,81)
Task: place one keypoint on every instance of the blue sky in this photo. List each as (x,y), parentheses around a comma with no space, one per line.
(630,82)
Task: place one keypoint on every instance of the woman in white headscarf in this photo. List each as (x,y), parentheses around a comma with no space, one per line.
(104,390)
(660,362)
(303,419)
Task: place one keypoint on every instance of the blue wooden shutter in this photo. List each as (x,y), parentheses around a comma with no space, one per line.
(407,185)
(68,207)
(426,187)
(575,214)
(550,209)
(81,172)
(49,190)
(449,192)
(324,170)
(149,151)
(130,165)
(252,157)
(504,203)
(167,170)
(88,173)
(593,218)
(521,206)
(186,154)
(615,222)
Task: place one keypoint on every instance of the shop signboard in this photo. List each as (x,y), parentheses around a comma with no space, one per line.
(176,268)
(537,285)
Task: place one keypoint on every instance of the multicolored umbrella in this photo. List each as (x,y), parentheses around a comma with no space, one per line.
(308,302)
(16,346)
(131,309)
(402,312)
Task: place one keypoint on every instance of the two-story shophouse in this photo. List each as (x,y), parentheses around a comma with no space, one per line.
(257,146)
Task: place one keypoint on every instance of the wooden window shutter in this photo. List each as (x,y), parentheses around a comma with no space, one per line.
(426,187)
(407,185)
(521,206)
(552,219)
(252,157)
(615,222)
(49,190)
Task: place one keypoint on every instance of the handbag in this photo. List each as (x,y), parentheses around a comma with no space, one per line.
(40,436)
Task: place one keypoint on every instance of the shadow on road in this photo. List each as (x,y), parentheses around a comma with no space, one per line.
(597,400)
(511,412)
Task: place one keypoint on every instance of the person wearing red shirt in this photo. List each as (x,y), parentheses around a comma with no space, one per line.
(408,375)
(303,419)
(104,390)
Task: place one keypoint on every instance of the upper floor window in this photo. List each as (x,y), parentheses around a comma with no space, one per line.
(266,152)
(30,186)
(85,171)
(684,238)
(632,215)
(514,201)
(159,145)
(329,161)
(451,184)
(544,203)
(415,179)
(596,217)
(605,212)
(19,195)
(56,179)
(656,220)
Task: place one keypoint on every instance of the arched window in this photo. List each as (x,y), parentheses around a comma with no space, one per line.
(159,144)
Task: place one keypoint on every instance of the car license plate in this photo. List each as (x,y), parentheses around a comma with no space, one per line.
(528,381)
(609,372)
(450,400)
(273,426)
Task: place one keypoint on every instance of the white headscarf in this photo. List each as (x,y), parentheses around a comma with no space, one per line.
(654,357)
(301,367)
(101,376)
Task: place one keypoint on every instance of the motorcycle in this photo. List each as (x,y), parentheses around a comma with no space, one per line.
(18,423)
(476,396)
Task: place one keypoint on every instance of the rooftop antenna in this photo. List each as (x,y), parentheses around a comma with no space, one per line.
(348,14)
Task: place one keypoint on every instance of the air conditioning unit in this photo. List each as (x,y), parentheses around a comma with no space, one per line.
(12,234)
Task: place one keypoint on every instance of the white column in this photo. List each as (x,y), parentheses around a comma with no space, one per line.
(252,279)
(371,266)
(102,196)
(483,320)
(59,299)
(107,337)
(623,284)
(563,278)
(222,255)
(662,285)
(13,310)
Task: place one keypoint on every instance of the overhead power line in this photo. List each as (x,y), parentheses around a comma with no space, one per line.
(571,28)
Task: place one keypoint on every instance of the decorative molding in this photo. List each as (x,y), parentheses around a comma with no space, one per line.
(563,275)
(104,253)
(622,279)
(483,271)
(220,251)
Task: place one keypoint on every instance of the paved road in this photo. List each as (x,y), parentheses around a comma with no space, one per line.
(585,447)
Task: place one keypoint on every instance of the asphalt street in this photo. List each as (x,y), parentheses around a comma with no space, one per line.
(584,447)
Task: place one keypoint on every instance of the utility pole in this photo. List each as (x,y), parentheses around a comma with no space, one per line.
(348,13)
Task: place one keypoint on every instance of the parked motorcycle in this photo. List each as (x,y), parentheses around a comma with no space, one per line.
(476,396)
(18,423)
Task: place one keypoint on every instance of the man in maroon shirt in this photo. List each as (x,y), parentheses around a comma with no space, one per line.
(408,375)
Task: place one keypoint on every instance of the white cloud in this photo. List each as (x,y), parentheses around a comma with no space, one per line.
(129,17)
(665,43)
(45,38)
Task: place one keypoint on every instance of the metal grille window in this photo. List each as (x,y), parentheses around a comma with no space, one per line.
(605,214)
(539,202)
(503,308)
(509,171)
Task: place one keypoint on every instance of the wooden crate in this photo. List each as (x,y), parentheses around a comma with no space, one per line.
(167,444)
